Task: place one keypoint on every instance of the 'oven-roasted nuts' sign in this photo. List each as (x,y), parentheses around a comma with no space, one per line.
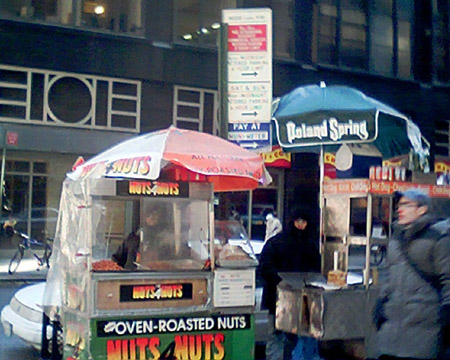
(155,292)
(185,338)
(133,327)
(153,188)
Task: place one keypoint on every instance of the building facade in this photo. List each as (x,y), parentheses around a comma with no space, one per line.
(77,76)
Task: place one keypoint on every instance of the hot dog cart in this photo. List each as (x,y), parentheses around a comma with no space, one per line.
(186,294)
(355,212)
(358,214)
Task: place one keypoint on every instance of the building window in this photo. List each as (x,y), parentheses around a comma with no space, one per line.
(115,16)
(283,28)
(382,38)
(25,198)
(342,33)
(369,35)
(441,41)
(442,137)
(391,37)
(198,21)
(405,11)
(196,109)
(353,30)
(327,28)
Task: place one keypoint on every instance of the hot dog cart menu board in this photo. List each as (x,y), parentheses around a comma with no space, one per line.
(234,287)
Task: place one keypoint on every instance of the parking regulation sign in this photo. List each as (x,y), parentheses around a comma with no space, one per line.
(249,74)
(252,136)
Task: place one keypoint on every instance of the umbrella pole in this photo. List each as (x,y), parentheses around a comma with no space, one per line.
(321,200)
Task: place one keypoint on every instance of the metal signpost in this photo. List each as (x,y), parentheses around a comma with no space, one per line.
(2,174)
(9,138)
(249,77)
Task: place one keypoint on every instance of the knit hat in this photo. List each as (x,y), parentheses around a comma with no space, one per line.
(416,195)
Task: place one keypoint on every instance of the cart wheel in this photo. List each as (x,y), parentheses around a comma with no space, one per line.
(15,261)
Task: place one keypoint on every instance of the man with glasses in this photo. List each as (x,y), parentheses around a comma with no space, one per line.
(412,315)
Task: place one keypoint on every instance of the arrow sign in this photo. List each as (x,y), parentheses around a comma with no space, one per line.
(253,145)
(250,74)
(255,136)
(250,114)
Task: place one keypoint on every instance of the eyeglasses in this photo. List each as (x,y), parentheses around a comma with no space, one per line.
(407,204)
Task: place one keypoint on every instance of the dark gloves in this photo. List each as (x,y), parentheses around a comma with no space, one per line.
(444,353)
(379,318)
(445,323)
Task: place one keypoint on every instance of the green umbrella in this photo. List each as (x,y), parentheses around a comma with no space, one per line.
(313,116)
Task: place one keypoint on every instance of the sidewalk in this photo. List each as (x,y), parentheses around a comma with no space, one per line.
(27,269)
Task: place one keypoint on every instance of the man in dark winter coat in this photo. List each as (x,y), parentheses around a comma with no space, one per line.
(289,251)
(413,311)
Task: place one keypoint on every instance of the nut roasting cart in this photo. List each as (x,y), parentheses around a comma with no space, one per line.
(182,293)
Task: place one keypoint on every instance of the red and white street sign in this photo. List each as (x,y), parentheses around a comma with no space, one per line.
(245,38)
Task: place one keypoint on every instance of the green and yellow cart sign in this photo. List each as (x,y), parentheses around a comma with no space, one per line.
(211,337)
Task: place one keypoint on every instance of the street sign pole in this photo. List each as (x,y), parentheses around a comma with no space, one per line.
(2,175)
(10,138)
(223,74)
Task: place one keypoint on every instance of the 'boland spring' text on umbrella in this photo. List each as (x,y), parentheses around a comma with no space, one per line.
(331,128)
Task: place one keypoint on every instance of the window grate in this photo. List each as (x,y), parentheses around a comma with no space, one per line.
(109,16)
(196,109)
(46,97)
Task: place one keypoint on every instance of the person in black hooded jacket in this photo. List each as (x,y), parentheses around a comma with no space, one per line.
(293,250)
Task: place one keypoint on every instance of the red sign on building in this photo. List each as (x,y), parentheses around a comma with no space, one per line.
(12,138)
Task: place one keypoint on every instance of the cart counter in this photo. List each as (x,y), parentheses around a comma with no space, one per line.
(326,314)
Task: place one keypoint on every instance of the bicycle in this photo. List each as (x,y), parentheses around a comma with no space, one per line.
(28,244)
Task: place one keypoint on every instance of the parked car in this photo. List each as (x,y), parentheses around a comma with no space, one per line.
(23,316)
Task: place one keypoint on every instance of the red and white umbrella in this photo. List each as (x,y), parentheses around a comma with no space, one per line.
(185,154)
